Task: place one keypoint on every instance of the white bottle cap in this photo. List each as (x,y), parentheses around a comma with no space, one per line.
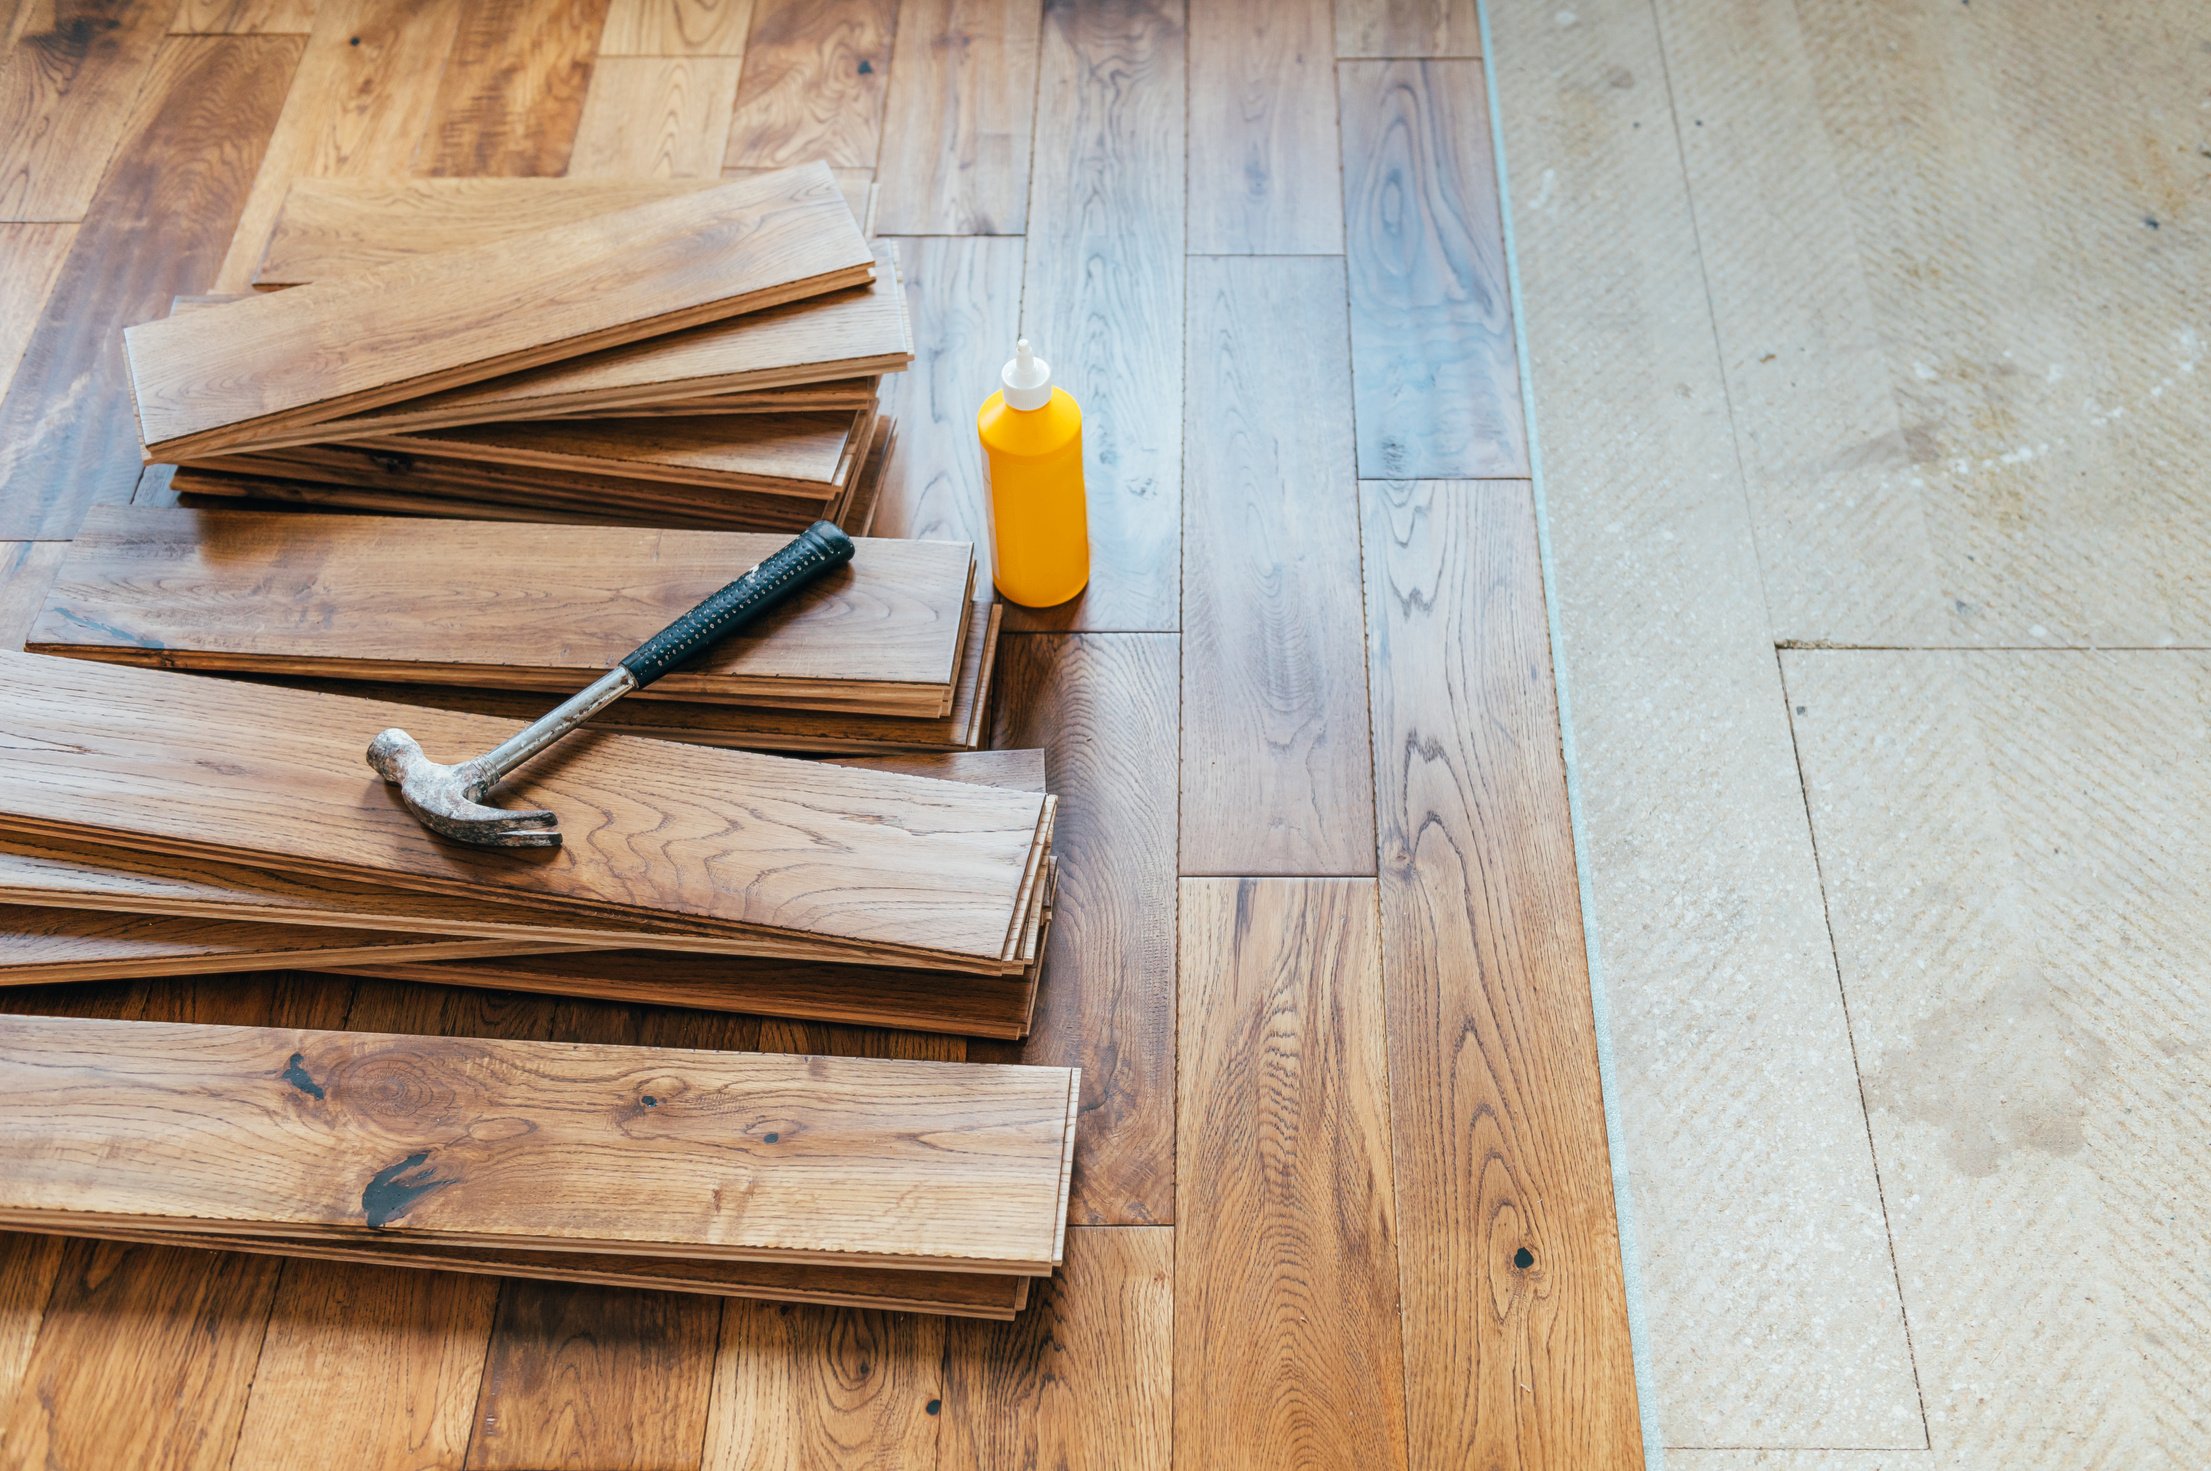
(1027,379)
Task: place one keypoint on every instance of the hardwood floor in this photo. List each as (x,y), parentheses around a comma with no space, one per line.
(1341,1189)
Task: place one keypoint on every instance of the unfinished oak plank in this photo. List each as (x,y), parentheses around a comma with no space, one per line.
(1432,354)
(872,1162)
(513,87)
(1106,246)
(363,597)
(1263,102)
(595,1376)
(1516,1335)
(215,376)
(959,119)
(34,254)
(65,102)
(676,28)
(1286,1312)
(1276,769)
(243,18)
(655,117)
(188,153)
(359,104)
(813,84)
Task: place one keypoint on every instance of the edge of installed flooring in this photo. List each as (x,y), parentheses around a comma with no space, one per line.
(1623,1203)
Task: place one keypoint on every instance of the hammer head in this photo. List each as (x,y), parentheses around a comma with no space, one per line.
(446,799)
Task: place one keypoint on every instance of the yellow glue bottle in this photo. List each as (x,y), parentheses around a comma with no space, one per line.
(1032,463)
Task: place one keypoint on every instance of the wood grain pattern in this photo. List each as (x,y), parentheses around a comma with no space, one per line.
(412,327)
(40,943)
(363,96)
(66,85)
(1081,1379)
(676,28)
(360,597)
(1432,353)
(513,88)
(595,1376)
(960,116)
(384,1363)
(663,117)
(813,84)
(1104,709)
(1105,246)
(811,1389)
(1516,1341)
(34,254)
(1263,102)
(798,453)
(243,17)
(1389,28)
(875,1162)
(1286,1308)
(27,569)
(188,152)
(27,1267)
(1276,770)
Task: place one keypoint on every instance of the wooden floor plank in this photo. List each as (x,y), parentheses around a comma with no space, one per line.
(189,150)
(1516,1342)
(513,88)
(1276,770)
(244,18)
(34,254)
(1431,321)
(1287,1346)
(27,569)
(66,88)
(655,117)
(1103,706)
(383,1362)
(363,97)
(1081,1380)
(961,110)
(820,1389)
(1408,28)
(1102,291)
(1263,180)
(676,28)
(598,1377)
(813,84)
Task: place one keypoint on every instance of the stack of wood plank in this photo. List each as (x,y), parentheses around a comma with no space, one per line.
(696,355)
(153,822)
(937,1187)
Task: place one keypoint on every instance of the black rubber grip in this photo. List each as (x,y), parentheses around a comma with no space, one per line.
(816,550)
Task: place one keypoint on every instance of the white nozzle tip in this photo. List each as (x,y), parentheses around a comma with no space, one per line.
(1027,379)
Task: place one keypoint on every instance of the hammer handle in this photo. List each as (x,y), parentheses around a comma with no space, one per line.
(813,552)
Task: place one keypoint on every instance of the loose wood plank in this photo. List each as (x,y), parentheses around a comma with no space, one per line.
(27,569)
(1103,707)
(1106,247)
(243,18)
(874,1162)
(1408,28)
(1516,1340)
(1432,354)
(39,944)
(1286,1310)
(960,117)
(595,1376)
(676,28)
(798,453)
(1263,100)
(655,117)
(1080,1379)
(188,151)
(65,102)
(1276,768)
(34,254)
(360,597)
(413,327)
(358,107)
(513,88)
(813,84)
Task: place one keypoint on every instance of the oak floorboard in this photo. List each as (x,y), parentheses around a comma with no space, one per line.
(1432,354)
(813,84)
(1263,106)
(1408,28)
(959,119)
(676,28)
(1515,1320)
(1104,708)
(1287,1351)
(1102,292)
(363,96)
(34,253)
(821,1389)
(1081,1381)
(188,153)
(66,86)
(655,117)
(244,18)
(27,570)
(513,88)
(1276,768)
